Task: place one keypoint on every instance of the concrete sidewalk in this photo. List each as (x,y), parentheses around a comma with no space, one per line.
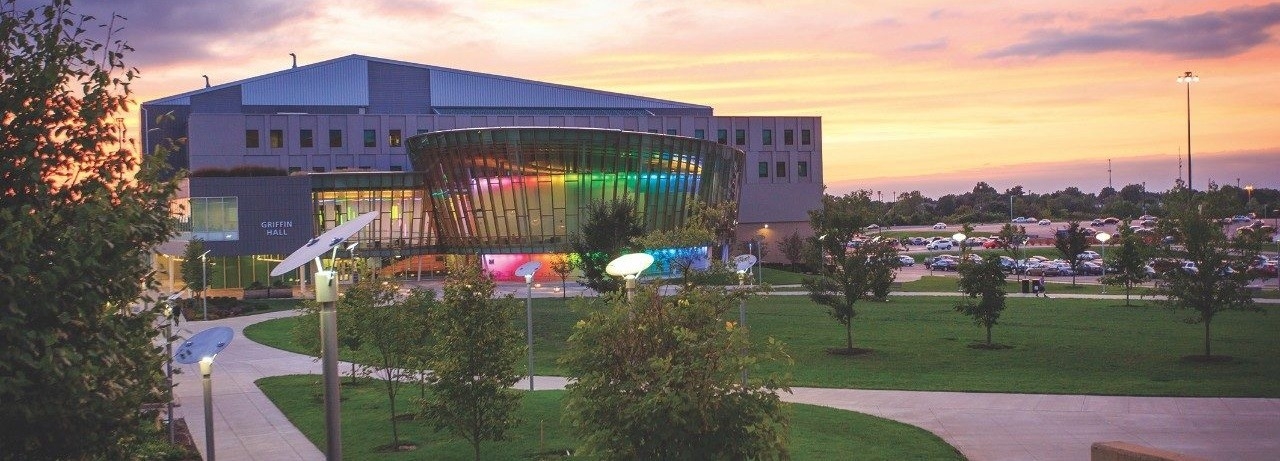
(983,426)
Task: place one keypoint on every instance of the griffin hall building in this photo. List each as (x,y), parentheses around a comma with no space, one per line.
(488,167)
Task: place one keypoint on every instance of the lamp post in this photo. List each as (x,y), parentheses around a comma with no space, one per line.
(171,314)
(743,264)
(1188,78)
(629,267)
(326,285)
(204,283)
(1103,237)
(202,348)
(527,270)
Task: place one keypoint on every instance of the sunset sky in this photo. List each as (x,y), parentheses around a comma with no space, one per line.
(914,95)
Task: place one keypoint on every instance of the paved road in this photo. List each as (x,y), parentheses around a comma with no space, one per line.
(983,426)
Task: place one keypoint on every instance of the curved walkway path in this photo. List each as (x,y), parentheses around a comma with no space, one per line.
(983,426)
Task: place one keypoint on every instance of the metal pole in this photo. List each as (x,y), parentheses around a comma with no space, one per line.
(206,378)
(1104,267)
(168,368)
(631,287)
(742,323)
(204,285)
(528,314)
(1190,188)
(327,293)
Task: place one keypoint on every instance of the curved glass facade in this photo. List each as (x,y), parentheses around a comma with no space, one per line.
(523,190)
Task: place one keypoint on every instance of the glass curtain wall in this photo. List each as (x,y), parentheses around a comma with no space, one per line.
(523,190)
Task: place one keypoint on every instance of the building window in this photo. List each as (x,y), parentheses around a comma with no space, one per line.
(341,168)
(277,139)
(397,168)
(671,131)
(306,138)
(317,169)
(294,169)
(764,169)
(395,138)
(700,133)
(423,130)
(722,136)
(335,138)
(251,139)
(653,131)
(766,137)
(740,137)
(788,137)
(802,169)
(215,218)
(781,169)
(370,138)
(806,137)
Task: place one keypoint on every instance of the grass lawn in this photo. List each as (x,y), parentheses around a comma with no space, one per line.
(1065,346)
(1056,285)
(817,432)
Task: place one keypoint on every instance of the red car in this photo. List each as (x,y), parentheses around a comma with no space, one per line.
(994,243)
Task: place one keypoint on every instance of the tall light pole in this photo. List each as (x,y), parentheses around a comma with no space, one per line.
(742,264)
(326,285)
(527,270)
(1103,237)
(204,283)
(1188,78)
(202,348)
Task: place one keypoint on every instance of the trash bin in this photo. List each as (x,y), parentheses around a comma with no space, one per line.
(1026,286)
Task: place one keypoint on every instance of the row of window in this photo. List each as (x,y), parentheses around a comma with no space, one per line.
(307,138)
(395,137)
(740,136)
(320,169)
(780,169)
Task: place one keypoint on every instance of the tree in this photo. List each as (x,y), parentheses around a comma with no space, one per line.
(563,264)
(984,282)
(793,248)
(1013,237)
(1126,263)
(1070,242)
(607,230)
(721,219)
(661,378)
(852,272)
(79,215)
(477,349)
(392,330)
(1218,280)
(193,269)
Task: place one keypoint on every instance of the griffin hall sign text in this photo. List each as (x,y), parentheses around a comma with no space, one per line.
(277,228)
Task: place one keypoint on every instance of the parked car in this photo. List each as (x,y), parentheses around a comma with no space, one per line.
(1008,264)
(871,227)
(918,241)
(942,264)
(940,226)
(1088,255)
(1045,222)
(1111,220)
(1146,217)
(906,261)
(994,243)
(1241,218)
(940,244)
(1090,268)
(1097,223)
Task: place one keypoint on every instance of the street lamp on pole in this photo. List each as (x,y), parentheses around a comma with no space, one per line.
(742,264)
(204,283)
(527,270)
(202,348)
(629,267)
(1188,78)
(1103,237)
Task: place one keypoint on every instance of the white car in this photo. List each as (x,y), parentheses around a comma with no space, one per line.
(1088,255)
(940,226)
(938,245)
(1045,222)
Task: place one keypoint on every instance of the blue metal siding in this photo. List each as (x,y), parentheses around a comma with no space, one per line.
(219,101)
(461,89)
(396,89)
(263,199)
(338,83)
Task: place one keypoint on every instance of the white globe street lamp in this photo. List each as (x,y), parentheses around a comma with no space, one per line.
(629,267)
(202,348)
(1103,237)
